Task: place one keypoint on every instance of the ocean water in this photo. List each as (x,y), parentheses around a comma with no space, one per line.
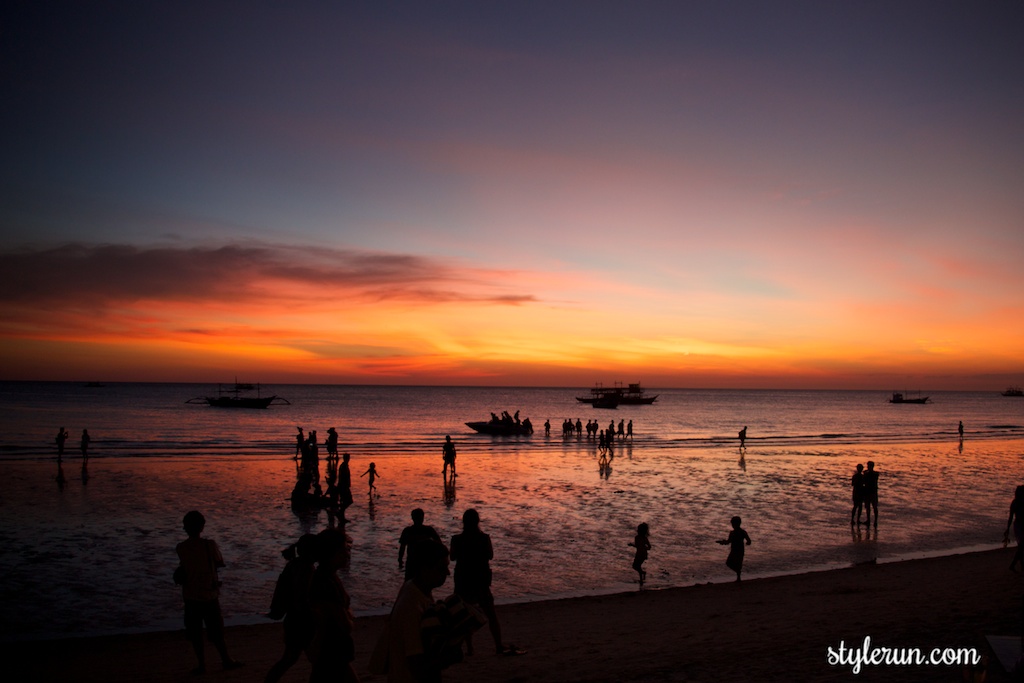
(95,553)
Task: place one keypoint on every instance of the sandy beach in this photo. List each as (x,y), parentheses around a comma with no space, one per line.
(774,629)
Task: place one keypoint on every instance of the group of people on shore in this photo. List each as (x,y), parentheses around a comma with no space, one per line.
(422,635)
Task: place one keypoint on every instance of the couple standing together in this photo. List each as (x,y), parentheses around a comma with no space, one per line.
(865,493)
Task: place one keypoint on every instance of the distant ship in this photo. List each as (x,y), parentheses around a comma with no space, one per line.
(900,398)
(1013,391)
(234,398)
(612,397)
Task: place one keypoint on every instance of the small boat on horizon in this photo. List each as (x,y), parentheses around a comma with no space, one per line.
(235,398)
(898,397)
(1013,391)
(631,395)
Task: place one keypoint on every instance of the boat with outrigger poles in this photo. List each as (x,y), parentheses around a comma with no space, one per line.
(613,397)
(898,397)
(506,425)
(237,396)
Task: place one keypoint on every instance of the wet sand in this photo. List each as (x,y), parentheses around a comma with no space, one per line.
(774,629)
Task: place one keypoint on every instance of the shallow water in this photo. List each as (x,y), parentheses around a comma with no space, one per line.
(96,554)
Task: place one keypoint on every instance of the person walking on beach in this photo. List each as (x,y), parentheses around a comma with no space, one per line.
(642,544)
(333,649)
(871,492)
(743,436)
(960,429)
(199,558)
(1016,520)
(84,445)
(857,485)
(291,601)
(62,437)
(372,471)
(629,430)
(472,553)
(736,540)
(448,454)
(413,534)
(300,442)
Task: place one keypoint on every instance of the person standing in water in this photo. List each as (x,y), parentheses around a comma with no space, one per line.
(84,445)
(736,540)
(743,436)
(448,454)
(871,492)
(62,437)
(857,485)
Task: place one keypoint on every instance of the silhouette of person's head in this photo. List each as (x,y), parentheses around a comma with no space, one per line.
(736,522)
(643,529)
(1019,492)
(345,457)
(860,467)
(448,437)
(428,563)
(871,465)
(417,516)
(470,519)
(194,522)
(331,549)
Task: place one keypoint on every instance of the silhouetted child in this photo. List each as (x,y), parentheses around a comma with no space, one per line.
(642,544)
(736,539)
(372,471)
(291,601)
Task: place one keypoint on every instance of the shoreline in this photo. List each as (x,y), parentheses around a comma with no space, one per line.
(777,628)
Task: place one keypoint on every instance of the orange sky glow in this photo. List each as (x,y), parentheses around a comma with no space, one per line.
(767,198)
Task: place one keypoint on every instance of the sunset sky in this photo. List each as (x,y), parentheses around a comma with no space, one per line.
(687,194)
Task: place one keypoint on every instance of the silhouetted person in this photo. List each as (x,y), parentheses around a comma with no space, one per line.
(472,553)
(1016,520)
(413,534)
(62,437)
(737,538)
(84,445)
(407,658)
(547,427)
(372,471)
(871,492)
(743,436)
(622,428)
(344,484)
(291,601)
(332,443)
(629,429)
(960,429)
(300,442)
(642,544)
(857,486)
(448,454)
(200,558)
(333,648)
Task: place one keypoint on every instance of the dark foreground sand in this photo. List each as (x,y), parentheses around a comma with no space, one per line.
(775,629)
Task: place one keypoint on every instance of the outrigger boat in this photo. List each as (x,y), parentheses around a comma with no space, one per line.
(233,398)
(1013,391)
(900,398)
(613,397)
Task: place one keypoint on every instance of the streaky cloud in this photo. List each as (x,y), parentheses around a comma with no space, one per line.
(96,276)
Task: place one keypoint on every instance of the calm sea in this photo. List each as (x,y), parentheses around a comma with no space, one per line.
(95,552)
